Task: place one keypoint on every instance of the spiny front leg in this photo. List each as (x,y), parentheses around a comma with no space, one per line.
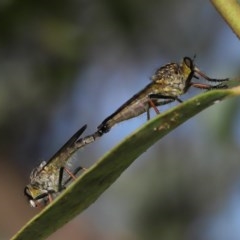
(196,70)
(208,86)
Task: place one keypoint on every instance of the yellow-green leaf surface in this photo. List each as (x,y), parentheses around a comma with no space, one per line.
(89,186)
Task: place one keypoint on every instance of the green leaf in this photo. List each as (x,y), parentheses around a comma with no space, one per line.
(230,11)
(89,186)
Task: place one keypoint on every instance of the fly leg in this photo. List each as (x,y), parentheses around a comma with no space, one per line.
(208,86)
(72,175)
(76,171)
(60,178)
(61,186)
(42,200)
(153,102)
(196,70)
(50,199)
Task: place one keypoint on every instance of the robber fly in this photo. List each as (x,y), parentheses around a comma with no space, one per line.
(168,83)
(50,178)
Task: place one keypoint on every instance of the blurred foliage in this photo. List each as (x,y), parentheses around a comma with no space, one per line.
(42,48)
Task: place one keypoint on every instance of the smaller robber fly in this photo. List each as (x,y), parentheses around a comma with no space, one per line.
(50,178)
(168,83)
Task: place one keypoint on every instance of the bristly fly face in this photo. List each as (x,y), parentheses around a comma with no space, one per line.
(168,83)
(50,178)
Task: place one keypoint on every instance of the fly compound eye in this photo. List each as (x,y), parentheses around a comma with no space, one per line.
(189,62)
(27,193)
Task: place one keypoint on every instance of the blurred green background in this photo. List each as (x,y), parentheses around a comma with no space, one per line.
(67,63)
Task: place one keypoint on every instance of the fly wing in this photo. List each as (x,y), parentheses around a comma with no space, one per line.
(68,144)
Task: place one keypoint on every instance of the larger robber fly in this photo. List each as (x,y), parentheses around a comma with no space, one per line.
(168,83)
(50,178)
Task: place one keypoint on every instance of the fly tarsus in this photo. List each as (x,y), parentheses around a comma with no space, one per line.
(209,87)
(217,80)
(196,70)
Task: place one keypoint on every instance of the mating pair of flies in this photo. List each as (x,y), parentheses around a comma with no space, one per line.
(168,83)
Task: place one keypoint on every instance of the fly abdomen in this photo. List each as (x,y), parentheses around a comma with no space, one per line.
(127,111)
(103,128)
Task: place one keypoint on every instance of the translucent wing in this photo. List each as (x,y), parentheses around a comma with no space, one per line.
(69,144)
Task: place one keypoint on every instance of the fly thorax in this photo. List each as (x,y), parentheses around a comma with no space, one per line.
(170,80)
(36,170)
(51,183)
(45,181)
(177,85)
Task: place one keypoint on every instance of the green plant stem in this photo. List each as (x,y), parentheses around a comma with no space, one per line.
(230,11)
